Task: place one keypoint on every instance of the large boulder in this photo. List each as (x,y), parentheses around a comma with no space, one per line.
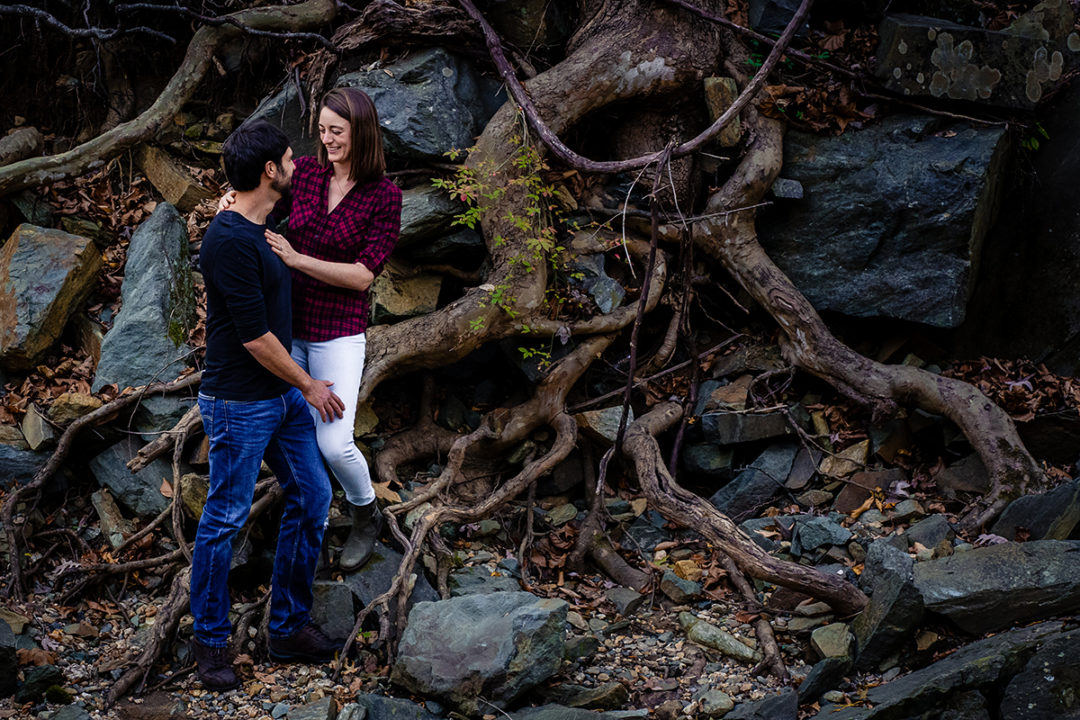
(991,588)
(44,276)
(19,464)
(427,213)
(147,341)
(893,216)
(754,487)
(493,646)
(429,103)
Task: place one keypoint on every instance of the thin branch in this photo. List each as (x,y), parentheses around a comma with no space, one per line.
(99,33)
(229,20)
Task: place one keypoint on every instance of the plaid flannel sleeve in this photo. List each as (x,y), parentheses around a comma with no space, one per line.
(384,229)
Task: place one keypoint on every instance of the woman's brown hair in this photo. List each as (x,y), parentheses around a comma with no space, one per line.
(366,159)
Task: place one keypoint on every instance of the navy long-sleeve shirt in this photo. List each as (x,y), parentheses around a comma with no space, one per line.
(247,295)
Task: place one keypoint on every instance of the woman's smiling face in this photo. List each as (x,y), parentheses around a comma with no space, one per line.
(335,135)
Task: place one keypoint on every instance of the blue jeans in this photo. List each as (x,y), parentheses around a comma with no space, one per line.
(241,433)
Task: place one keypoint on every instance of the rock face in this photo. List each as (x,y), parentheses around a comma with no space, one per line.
(496,646)
(1012,68)
(146,342)
(428,103)
(44,276)
(1049,516)
(893,218)
(991,588)
(140,492)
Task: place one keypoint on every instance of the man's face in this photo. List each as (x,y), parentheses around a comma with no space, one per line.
(282,180)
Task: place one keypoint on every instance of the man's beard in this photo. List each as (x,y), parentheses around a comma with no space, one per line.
(283,188)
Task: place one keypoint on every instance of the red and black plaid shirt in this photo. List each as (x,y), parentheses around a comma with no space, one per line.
(362,228)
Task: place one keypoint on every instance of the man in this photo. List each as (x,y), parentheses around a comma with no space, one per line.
(253,399)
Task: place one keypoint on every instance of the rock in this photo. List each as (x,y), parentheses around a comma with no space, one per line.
(608,696)
(886,623)
(703,633)
(905,510)
(930,531)
(607,293)
(147,340)
(379,707)
(20,144)
(826,674)
(430,102)
(36,210)
(715,704)
(114,526)
(376,575)
(767,531)
(728,428)
(782,706)
(1054,436)
(171,179)
(193,491)
(396,296)
(771,17)
(140,492)
(603,425)
(530,23)
(9,661)
(561,712)
(929,57)
(37,681)
(990,588)
(679,590)
(496,646)
(832,640)
(44,276)
(753,488)
(1049,516)
(886,557)
(462,247)
(965,475)
(984,664)
(38,432)
(479,579)
(426,213)
(20,465)
(627,601)
(562,514)
(720,93)
(1046,687)
(71,712)
(815,532)
(912,198)
(159,413)
(332,608)
(646,532)
(708,459)
(785,189)
(14,620)
(71,406)
(324,709)
(857,488)
(848,461)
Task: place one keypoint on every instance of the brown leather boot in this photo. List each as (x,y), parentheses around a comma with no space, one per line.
(366,524)
(214,667)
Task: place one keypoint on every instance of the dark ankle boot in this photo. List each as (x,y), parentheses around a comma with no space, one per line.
(366,523)
(214,667)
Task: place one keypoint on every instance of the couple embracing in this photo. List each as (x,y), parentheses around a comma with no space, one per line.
(286,316)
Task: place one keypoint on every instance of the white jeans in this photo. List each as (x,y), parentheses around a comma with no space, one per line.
(341,361)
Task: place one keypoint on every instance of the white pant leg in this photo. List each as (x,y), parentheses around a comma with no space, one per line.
(341,361)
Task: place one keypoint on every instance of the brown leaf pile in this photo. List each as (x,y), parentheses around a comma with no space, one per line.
(1022,388)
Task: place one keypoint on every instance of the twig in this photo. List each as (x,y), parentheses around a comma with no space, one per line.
(93,32)
(769,649)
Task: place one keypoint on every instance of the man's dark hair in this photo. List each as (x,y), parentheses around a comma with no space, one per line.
(247,150)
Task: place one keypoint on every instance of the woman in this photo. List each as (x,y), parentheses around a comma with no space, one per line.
(344,219)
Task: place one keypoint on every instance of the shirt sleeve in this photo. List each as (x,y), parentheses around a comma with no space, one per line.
(383,231)
(239,278)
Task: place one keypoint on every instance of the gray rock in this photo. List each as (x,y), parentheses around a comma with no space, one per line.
(981,664)
(965,475)
(1049,516)
(1047,686)
(561,712)
(496,646)
(824,676)
(581,647)
(679,589)
(376,575)
(113,525)
(704,633)
(9,661)
(714,703)
(159,413)
(19,465)
(396,296)
(608,696)
(708,459)
(323,709)
(929,57)
(626,600)
(37,681)
(426,214)
(71,712)
(147,340)
(44,276)
(645,533)
(38,432)
(769,526)
(728,428)
(832,640)
(332,608)
(930,531)
(607,293)
(380,707)
(894,611)
(912,198)
(772,16)
(479,579)
(816,532)
(755,487)
(782,706)
(140,492)
(991,588)
(885,558)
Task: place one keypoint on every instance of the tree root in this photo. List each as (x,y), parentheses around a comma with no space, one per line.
(190,423)
(689,510)
(772,659)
